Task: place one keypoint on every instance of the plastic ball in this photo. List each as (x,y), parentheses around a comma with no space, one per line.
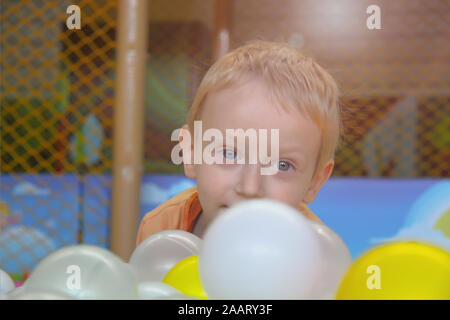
(184,277)
(84,272)
(403,270)
(156,290)
(336,261)
(260,249)
(157,254)
(6,283)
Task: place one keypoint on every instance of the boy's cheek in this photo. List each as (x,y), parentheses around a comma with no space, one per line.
(214,181)
(220,170)
(213,176)
(289,191)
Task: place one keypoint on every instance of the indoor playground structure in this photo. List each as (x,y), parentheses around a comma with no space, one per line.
(91,91)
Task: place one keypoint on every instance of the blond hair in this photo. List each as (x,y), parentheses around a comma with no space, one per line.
(293,80)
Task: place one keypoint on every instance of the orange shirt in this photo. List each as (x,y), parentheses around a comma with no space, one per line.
(180,212)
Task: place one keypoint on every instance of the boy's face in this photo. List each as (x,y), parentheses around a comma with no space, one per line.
(249,107)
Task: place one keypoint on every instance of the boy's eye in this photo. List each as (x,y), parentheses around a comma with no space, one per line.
(229,154)
(284,166)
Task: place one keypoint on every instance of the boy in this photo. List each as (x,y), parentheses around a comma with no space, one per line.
(262,85)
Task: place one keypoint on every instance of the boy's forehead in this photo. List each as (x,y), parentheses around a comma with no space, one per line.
(249,106)
(250,114)
(244,106)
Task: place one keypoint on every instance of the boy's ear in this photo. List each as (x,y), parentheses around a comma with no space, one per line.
(318,182)
(185,143)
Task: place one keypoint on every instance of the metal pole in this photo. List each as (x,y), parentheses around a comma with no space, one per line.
(128,124)
(222,27)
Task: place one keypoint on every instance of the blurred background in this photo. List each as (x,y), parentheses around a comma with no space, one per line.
(58,87)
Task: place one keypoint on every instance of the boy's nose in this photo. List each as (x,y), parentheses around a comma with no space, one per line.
(250,182)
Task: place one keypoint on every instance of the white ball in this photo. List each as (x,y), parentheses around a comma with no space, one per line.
(161,291)
(6,283)
(156,290)
(157,254)
(336,261)
(46,294)
(84,272)
(18,291)
(260,249)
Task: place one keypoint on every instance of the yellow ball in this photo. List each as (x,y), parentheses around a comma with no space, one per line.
(184,276)
(402,270)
